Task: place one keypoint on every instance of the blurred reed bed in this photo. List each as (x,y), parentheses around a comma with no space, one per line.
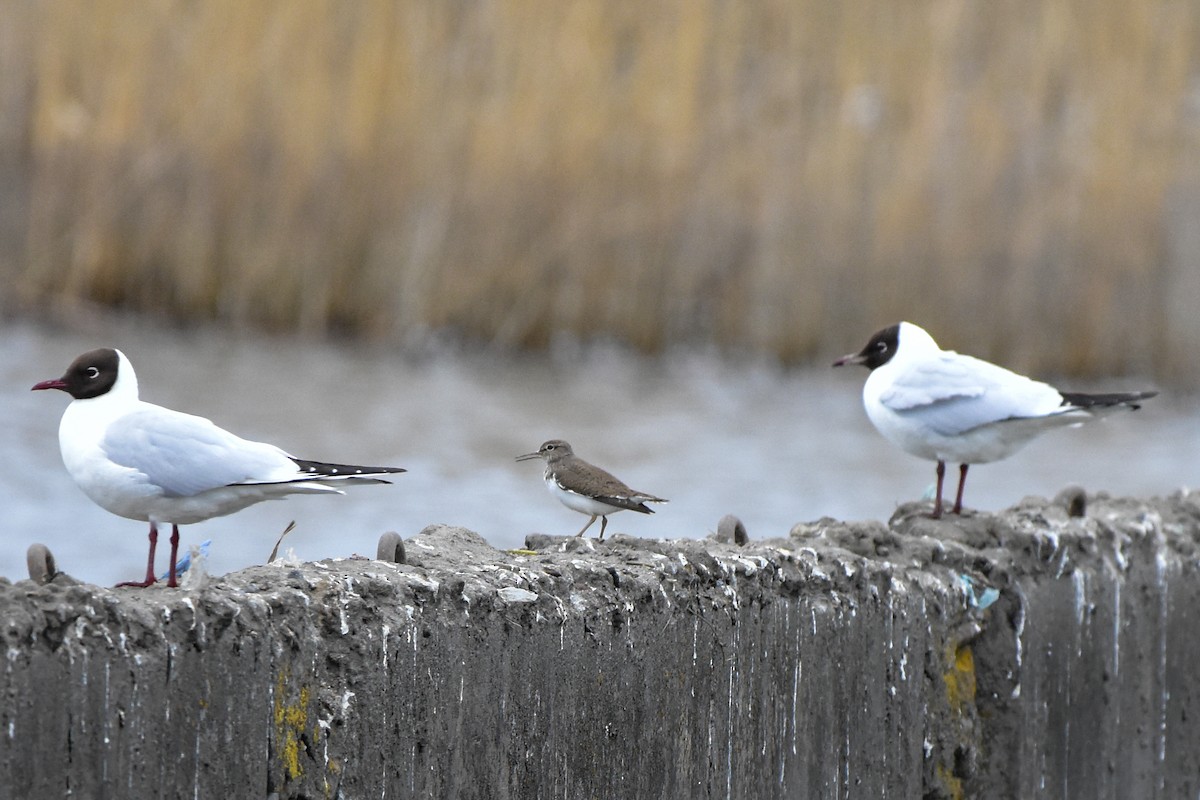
(785,176)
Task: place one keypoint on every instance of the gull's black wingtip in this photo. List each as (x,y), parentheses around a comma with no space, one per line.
(1084,400)
(325,469)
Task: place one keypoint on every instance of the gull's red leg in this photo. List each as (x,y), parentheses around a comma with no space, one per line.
(941,477)
(149,562)
(962,479)
(174,553)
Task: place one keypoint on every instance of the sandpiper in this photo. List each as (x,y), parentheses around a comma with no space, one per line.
(585,488)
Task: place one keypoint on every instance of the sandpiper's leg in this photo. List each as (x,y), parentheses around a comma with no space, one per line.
(937,502)
(174,553)
(585,527)
(962,479)
(149,562)
(603,524)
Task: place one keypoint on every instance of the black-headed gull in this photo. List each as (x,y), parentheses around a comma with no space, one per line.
(943,406)
(149,463)
(585,488)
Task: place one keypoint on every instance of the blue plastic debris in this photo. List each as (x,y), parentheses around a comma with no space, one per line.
(978,600)
(181,566)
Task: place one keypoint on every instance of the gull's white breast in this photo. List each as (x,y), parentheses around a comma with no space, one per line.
(936,430)
(129,492)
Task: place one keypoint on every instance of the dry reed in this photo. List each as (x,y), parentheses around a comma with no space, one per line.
(782,176)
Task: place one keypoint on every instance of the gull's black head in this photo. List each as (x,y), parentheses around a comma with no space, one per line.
(92,374)
(878,351)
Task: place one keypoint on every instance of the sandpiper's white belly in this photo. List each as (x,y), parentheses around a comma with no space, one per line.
(579,502)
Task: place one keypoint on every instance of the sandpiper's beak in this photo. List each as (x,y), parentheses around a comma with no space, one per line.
(57,383)
(528,456)
(852,358)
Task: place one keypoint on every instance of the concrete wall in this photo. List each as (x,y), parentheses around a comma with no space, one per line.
(849,660)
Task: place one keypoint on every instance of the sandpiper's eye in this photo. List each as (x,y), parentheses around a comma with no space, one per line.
(92,372)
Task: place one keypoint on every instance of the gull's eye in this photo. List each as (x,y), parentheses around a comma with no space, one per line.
(881,345)
(92,373)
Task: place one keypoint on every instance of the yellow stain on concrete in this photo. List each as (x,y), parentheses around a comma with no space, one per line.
(950,782)
(960,694)
(960,680)
(290,721)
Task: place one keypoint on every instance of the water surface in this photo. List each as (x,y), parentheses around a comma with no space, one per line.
(712,434)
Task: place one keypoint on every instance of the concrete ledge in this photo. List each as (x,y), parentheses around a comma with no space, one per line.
(1025,654)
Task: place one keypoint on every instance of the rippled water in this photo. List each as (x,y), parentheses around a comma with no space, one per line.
(714,436)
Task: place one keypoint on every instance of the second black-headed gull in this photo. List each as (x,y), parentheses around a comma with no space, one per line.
(943,406)
(586,488)
(149,463)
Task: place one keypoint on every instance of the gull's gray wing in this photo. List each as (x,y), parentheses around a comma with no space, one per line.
(185,455)
(953,393)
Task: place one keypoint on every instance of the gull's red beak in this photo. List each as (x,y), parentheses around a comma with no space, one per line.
(57,383)
(852,358)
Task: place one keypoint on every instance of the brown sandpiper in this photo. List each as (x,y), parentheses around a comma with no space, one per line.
(586,488)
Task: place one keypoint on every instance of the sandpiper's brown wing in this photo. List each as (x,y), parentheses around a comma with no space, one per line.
(576,475)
